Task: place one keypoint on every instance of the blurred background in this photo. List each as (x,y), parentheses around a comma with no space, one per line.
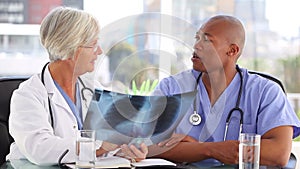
(147,40)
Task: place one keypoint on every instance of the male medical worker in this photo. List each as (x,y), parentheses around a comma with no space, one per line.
(228,93)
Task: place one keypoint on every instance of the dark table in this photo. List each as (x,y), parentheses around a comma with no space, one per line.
(25,164)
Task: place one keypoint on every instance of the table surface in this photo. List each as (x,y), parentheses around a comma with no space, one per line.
(25,164)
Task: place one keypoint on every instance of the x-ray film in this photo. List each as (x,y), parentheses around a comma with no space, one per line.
(125,119)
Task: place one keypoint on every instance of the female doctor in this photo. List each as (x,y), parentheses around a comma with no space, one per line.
(49,108)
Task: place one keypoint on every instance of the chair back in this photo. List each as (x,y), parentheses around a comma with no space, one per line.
(7,86)
(292,164)
(270,77)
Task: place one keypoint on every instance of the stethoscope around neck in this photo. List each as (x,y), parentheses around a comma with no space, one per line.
(195,118)
(81,92)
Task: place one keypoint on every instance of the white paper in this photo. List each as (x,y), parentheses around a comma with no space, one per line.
(111,162)
(153,161)
(115,162)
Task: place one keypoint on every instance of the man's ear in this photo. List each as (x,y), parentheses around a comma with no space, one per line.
(233,50)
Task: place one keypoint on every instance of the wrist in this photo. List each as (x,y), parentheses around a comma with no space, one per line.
(209,149)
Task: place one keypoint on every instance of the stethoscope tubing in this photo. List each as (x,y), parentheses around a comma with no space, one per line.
(236,108)
(49,105)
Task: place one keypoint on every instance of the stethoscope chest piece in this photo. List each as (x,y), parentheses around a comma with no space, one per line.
(195,119)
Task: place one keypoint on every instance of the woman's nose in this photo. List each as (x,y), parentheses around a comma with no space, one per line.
(99,50)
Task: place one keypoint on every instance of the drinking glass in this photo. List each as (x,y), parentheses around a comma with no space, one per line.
(85,149)
(249,151)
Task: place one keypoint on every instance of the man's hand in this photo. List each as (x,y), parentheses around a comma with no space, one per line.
(226,152)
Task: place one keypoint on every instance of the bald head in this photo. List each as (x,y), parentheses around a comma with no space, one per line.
(229,27)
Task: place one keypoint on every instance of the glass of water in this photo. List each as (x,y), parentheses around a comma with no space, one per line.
(249,151)
(85,149)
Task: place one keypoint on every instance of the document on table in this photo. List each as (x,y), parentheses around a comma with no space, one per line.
(119,162)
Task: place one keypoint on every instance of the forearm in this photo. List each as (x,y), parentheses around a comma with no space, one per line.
(274,153)
(187,152)
(226,152)
(276,146)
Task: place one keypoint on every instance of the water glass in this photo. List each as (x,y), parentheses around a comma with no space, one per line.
(85,149)
(249,151)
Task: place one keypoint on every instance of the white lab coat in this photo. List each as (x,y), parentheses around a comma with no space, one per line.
(30,122)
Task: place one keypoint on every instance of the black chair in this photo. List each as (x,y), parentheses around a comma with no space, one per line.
(7,86)
(270,78)
(293,160)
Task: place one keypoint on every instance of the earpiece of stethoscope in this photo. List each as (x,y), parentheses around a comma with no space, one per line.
(195,118)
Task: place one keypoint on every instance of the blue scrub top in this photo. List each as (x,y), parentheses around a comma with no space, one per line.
(263,102)
(75,107)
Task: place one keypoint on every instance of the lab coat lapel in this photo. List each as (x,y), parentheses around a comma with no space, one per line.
(54,94)
(59,100)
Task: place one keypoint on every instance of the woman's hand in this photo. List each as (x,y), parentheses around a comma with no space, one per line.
(132,153)
(106,147)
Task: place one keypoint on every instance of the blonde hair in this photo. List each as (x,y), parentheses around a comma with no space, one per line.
(65,29)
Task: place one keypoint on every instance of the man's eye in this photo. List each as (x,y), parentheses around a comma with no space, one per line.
(205,38)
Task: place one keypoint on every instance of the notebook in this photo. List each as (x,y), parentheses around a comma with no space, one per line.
(118,162)
(130,119)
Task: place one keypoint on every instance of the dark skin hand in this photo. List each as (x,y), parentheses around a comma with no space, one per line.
(275,149)
(219,149)
(226,152)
